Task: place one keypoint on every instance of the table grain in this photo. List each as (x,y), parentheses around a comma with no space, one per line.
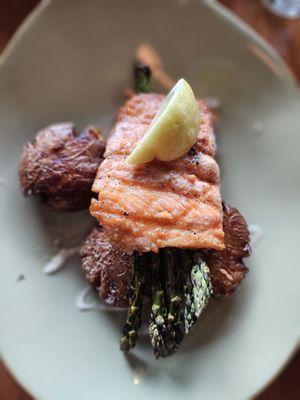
(284,35)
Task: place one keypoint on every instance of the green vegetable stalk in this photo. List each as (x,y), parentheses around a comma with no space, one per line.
(174,297)
(142,77)
(158,319)
(197,289)
(134,314)
(180,289)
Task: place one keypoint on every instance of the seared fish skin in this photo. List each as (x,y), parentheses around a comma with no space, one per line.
(159,204)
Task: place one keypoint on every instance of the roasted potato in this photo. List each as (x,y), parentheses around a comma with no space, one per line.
(60,166)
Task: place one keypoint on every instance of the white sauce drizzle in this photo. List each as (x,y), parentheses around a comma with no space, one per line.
(84,302)
(255,234)
(58,261)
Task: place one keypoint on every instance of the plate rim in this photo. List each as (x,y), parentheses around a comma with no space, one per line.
(286,75)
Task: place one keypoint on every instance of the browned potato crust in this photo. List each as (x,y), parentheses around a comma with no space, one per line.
(226,272)
(227,269)
(236,232)
(60,166)
(107,267)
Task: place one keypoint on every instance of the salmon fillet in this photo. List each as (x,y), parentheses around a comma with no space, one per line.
(159,204)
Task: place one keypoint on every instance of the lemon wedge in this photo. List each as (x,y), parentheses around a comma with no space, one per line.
(174,129)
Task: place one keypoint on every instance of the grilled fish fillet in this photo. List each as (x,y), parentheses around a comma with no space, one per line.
(159,204)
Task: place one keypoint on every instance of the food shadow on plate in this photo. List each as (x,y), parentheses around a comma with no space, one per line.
(212,324)
(215,322)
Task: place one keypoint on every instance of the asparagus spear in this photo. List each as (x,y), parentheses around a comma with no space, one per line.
(142,76)
(167,319)
(186,262)
(174,298)
(134,314)
(157,326)
(197,289)
(158,318)
(202,288)
(180,291)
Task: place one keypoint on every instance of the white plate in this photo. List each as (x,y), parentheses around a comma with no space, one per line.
(70,61)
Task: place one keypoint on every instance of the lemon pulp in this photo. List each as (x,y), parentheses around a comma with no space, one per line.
(174,129)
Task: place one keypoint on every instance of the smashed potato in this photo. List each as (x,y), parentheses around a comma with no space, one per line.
(60,166)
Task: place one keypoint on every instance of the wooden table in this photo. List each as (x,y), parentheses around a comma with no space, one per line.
(284,35)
